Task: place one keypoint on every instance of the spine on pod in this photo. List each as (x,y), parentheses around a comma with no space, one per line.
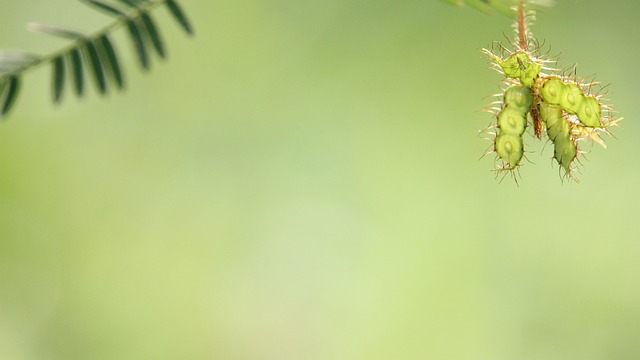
(512,123)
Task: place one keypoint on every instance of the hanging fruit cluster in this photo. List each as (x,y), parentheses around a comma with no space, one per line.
(563,107)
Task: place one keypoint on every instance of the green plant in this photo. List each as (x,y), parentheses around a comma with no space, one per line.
(90,53)
(512,122)
(566,109)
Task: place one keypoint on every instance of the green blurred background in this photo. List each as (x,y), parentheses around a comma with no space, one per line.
(301,181)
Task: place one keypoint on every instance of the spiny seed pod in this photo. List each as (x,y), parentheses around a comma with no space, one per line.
(512,122)
(559,132)
(518,96)
(521,66)
(510,149)
(552,90)
(565,151)
(555,123)
(572,99)
(591,112)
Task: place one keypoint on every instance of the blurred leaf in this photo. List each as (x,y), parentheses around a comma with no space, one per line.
(153,33)
(55,30)
(107,8)
(58,78)
(93,59)
(138,42)
(129,3)
(11,61)
(180,16)
(110,60)
(13,88)
(75,62)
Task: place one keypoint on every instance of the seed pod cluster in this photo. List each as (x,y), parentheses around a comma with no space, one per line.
(559,106)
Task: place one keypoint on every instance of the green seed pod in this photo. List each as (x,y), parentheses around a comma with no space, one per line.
(572,98)
(521,66)
(558,128)
(590,112)
(565,151)
(552,117)
(512,121)
(510,149)
(512,66)
(559,132)
(552,90)
(518,97)
(530,74)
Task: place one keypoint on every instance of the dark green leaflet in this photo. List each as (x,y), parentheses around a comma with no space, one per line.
(153,34)
(13,88)
(93,60)
(75,63)
(107,8)
(110,60)
(58,66)
(138,42)
(177,12)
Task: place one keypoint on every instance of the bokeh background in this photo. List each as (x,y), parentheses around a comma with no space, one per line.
(301,181)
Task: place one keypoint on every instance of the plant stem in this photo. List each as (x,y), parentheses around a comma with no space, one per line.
(522,27)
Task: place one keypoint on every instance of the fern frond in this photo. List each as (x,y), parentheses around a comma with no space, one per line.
(91,53)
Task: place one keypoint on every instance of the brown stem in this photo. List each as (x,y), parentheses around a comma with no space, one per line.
(522,27)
